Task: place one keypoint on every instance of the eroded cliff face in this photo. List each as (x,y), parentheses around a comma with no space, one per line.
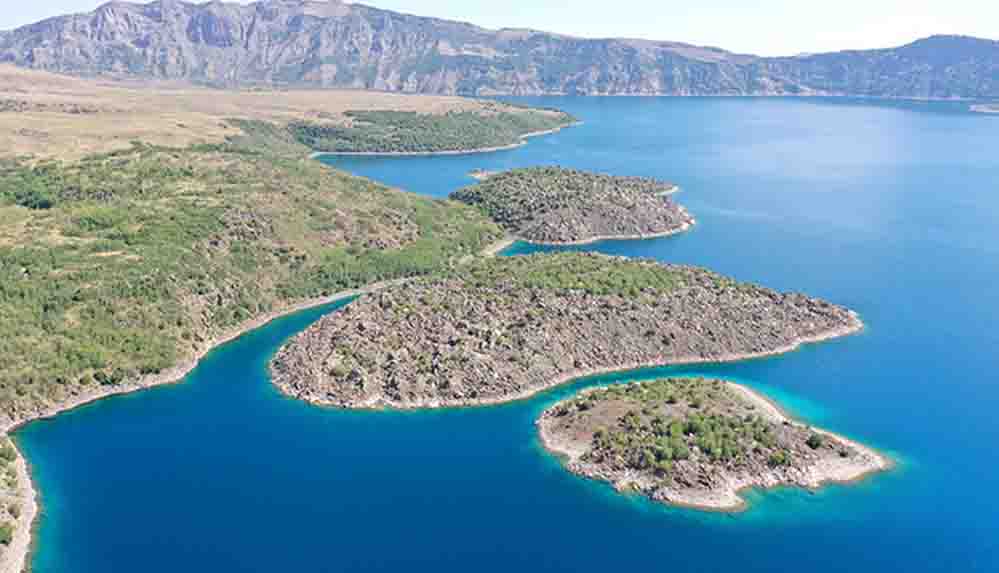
(327,44)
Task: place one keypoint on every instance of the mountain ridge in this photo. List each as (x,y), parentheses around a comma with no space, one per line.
(335,44)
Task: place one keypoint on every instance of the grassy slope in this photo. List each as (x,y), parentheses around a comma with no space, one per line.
(120,264)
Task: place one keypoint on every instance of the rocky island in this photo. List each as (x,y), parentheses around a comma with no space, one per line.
(695,442)
(553,205)
(495,330)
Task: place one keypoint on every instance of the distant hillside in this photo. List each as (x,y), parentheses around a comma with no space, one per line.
(332,44)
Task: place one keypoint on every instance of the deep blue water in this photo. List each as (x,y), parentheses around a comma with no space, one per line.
(891,209)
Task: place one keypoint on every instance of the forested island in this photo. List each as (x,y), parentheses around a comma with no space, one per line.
(497,126)
(495,330)
(695,442)
(554,205)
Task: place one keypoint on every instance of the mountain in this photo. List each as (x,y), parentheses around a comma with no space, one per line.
(327,44)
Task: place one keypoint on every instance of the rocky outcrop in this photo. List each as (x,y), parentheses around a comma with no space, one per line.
(696,442)
(553,205)
(500,329)
(333,43)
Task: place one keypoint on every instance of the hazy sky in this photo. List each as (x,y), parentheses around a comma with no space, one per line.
(766,27)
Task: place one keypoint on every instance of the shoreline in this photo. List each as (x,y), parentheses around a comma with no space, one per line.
(499,246)
(730,499)
(521,143)
(986,108)
(686,226)
(14,558)
(377,404)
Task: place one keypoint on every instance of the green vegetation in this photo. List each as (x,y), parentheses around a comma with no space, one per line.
(6,533)
(7,454)
(557,205)
(126,263)
(513,197)
(678,428)
(815,441)
(574,272)
(413,132)
(651,436)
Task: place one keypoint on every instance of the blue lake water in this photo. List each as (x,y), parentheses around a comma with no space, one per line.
(890,209)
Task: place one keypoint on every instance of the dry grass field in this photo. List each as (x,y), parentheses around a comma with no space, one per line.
(47,116)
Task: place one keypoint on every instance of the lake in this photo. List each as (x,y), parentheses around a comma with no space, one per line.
(891,209)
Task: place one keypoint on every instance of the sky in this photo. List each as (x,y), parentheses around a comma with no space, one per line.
(763,27)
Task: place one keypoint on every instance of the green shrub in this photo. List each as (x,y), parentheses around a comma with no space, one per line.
(779,458)
(815,441)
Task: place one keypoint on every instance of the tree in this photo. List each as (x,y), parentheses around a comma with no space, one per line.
(779,458)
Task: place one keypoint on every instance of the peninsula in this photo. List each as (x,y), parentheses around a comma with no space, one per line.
(553,205)
(500,329)
(493,127)
(696,442)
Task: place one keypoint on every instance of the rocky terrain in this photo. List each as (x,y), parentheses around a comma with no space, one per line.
(337,44)
(499,329)
(695,442)
(564,206)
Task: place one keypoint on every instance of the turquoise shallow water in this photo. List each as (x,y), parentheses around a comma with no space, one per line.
(889,209)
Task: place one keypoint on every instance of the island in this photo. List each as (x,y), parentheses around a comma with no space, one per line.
(554,205)
(696,442)
(501,329)
(986,108)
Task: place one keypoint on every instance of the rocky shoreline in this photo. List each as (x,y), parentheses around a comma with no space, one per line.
(682,228)
(507,328)
(696,443)
(557,206)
